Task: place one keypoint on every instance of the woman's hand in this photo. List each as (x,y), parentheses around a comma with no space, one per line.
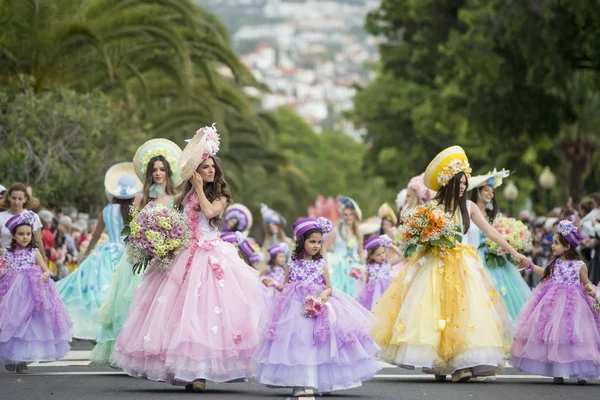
(197,181)
(524,261)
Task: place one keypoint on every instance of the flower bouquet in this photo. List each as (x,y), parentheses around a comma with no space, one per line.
(313,306)
(515,232)
(355,273)
(426,226)
(156,234)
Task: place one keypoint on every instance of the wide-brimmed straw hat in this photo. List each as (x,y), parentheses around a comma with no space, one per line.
(158,147)
(445,166)
(203,145)
(120,181)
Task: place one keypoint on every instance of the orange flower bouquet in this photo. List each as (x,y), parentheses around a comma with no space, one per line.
(427,226)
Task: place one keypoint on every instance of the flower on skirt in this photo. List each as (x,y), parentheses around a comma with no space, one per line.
(237,338)
(216,267)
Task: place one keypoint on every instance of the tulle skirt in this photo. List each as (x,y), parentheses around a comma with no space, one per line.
(372,292)
(34,323)
(510,284)
(83,290)
(339,272)
(443,313)
(199,320)
(558,333)
(113,313)
(333,351)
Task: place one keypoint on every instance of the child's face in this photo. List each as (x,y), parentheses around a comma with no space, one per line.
(380,255)
(312,244)
(23,235)
(557,247)
(280,260)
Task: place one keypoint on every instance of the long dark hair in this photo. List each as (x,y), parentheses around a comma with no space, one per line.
(149,181)
(13,242)
(385,218)
(213,190)
(449,197)
(491,214)
(299,249)
(571,254)
(125,205)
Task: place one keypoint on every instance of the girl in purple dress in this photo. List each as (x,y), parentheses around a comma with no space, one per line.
(313,336)
(34,323)
(378,270)
(558,331)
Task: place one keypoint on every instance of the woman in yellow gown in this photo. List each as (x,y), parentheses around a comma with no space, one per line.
(442,313)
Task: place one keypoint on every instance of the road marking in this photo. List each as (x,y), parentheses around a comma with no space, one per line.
(408,377)
(71,363)
(77,355)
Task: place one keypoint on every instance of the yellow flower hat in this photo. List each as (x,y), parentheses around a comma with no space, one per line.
(155,147)
(386,211)
(445,166)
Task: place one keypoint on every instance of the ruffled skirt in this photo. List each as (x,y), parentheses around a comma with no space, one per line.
(83,290)
(372,292)
(199,320)
(34,323)
(558,333)
(333,351)
(442,313)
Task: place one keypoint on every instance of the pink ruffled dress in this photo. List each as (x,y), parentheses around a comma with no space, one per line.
(558,332)
(333,351)
(34,322)
(199,320)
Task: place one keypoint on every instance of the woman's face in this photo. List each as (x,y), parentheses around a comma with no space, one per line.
(348,216)
(273,228)
(231,223)
(207,170)
(412,199)
(159,172)
(17,199)
(486,194)
(463,185)
(387,225)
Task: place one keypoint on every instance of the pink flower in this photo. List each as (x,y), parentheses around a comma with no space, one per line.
(237,338)
(206,245)
(214,265)
(205,155)
(270,334)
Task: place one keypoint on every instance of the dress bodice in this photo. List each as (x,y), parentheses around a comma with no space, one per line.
(277,274)
(21,259)
(379,271)
(204,227)
(113,221)
(566,272)
(306,271)
(345,247)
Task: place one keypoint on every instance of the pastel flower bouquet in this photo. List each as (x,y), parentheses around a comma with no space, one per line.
(313,306)
(427,226)
(515,232)
(156,234)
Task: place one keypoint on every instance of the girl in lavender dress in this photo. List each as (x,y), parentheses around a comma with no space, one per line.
(327,350)
(558,331)
(378,270)
(34,322)
(275,274)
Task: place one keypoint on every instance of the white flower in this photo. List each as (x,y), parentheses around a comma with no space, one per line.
(215,329)
(147,338)
(161,299)
(222,283)
(217,310)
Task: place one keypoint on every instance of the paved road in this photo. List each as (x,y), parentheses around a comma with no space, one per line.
(74,378)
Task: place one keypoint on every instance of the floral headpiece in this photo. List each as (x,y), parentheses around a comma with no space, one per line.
(569,232)
(278,248)
(451,170)
(246,247)
(212,141)
(160,151)
(25,218)
(383,240)
(271,216)
(304,225)
(417,184)
(154,148)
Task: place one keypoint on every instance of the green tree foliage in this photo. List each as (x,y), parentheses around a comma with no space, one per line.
(494,76)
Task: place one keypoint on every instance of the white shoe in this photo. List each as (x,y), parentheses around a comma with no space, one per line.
(299,392)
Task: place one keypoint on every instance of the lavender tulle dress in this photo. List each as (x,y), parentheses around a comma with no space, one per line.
(380,278)
(558,332)
(34,322)
(333,351)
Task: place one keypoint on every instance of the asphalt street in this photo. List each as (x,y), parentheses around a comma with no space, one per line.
(75,378)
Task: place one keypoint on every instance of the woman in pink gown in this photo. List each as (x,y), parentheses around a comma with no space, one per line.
(197,321)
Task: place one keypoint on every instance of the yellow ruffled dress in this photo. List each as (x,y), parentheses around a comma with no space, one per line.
(442,313)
